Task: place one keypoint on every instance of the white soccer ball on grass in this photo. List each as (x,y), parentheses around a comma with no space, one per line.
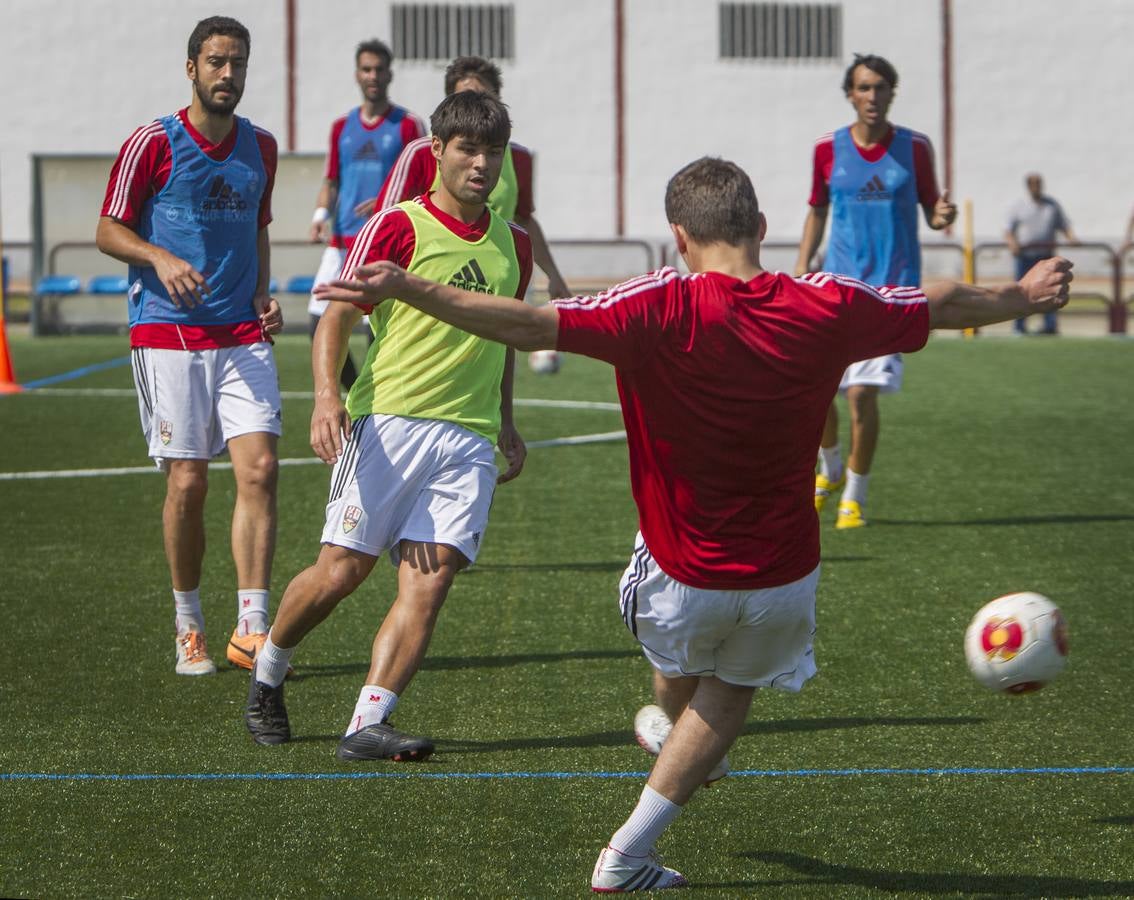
(1017,643)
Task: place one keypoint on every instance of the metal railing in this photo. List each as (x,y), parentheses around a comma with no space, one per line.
(1111,296)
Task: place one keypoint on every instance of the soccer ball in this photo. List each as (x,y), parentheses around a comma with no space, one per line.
(1016,643)
(544,362)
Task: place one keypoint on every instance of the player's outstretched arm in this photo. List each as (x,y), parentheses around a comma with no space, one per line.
(1044,288)
(485,315)
(186,286)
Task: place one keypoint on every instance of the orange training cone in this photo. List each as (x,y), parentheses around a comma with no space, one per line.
(8,383)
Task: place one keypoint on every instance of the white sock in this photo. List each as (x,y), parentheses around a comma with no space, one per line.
(251,611)
(831,462)
(374,705)
(856,487)
(645,825)
(188,615)
(272,663)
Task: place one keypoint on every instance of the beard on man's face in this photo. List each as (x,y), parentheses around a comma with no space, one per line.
(215,104)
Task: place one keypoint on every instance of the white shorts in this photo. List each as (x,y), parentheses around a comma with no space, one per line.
(410,479)
(883,372)
(193,402)
(330,265)
(758,638)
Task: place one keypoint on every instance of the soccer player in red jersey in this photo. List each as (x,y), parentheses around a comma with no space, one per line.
(725,376)
(188,207)
(415,172)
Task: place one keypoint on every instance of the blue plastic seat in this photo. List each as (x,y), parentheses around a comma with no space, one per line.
(300,284)
(108,284)
(58,284)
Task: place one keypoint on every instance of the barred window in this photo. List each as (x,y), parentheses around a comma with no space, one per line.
(445,30)
(781,30)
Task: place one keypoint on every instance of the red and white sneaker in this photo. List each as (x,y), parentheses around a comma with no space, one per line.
(620,873)
(652,726)
(193,655)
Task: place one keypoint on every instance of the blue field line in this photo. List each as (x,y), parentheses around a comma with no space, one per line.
(545,776)
(77,373)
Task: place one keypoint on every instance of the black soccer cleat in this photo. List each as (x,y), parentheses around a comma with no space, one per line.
(383,741)
(265,715)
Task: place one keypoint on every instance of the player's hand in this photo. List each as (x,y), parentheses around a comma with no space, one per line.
(1047,284)
(944,211)
(268,309)
(366,208)
(330,427)
(368,284)
(557,288)
(186,286)
(317,233)
(514,450)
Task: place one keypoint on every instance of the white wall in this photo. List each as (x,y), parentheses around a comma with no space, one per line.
(1039,84)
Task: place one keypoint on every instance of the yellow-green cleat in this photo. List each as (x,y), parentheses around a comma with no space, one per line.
(850,515)
(824,488)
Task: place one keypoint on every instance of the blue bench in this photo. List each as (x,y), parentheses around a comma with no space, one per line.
(108,284)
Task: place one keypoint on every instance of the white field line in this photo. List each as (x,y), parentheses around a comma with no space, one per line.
(570,441)
(308,395)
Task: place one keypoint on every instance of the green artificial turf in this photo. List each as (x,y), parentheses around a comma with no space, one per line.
(1004,465)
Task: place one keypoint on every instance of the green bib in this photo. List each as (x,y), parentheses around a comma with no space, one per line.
(419,366)
(506,195)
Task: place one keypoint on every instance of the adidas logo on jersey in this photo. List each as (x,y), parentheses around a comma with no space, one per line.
(471,278)
(367,152)
(874,189)
(222,196)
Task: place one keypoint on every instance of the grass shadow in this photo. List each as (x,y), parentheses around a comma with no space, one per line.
(444,663)
(623,737)
(834,876)
(1007,520)
(619,566)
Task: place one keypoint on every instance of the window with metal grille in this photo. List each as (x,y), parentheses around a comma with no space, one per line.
(446,30)
(781,30)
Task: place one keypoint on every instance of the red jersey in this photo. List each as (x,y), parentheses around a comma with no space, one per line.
(415,170)
(139,173)
(389,235)
(927,190)
(725,387)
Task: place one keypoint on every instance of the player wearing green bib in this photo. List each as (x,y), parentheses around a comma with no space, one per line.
(412,448)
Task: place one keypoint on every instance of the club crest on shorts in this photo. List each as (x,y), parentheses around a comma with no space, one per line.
(351,518)
(165,429)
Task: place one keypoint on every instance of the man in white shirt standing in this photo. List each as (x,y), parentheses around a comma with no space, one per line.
(1033,225)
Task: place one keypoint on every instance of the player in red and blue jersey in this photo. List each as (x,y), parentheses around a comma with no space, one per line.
(187,208)
(725,377)
(874,176)
(364,145)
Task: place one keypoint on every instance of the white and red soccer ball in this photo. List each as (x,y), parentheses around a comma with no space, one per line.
(1017,643)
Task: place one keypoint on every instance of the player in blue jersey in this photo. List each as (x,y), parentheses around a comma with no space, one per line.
(187,208)
(875,175)
(364,145)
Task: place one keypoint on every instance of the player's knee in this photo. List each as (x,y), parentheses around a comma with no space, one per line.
(342,577)
(260,473)
(187,485)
